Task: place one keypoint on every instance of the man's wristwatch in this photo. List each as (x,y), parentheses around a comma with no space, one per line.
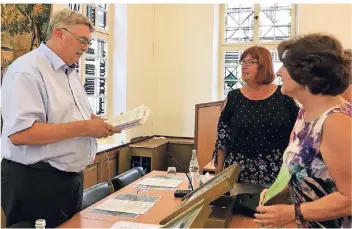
(298,214)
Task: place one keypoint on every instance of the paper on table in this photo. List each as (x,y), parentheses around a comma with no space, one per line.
(133,118)
(130,225)
(280,183)
(127,206)
(160,182)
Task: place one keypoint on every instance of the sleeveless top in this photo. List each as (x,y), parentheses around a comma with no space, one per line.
(255,134)
(311,179)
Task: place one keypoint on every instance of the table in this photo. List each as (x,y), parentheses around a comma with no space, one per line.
(163,207)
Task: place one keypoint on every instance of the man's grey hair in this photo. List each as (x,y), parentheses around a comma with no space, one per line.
(67,17)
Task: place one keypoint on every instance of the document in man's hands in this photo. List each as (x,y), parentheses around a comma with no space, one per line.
(130,119)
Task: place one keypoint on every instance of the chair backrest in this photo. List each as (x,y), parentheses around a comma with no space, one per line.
(127,177)
(95,193)
(205,131)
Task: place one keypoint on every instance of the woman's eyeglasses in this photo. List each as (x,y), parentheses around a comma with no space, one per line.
(248,62)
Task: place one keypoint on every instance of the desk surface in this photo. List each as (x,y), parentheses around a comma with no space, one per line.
(163,207)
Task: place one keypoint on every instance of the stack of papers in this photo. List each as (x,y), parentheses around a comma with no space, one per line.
(130,225)
(126,206)
(130,119)
(160,182)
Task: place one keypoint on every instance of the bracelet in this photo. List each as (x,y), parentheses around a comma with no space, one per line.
(298,212)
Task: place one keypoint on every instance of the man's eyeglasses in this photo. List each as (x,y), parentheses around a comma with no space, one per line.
(248,62)
(82,40)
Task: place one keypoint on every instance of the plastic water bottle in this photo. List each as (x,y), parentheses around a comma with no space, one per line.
(194,170)
(40,224)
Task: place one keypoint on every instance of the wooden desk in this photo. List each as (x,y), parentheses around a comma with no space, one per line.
(163,207)
(154,215)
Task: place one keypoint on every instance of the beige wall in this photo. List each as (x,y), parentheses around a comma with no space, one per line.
(141,77)
(331,18)
(183,65)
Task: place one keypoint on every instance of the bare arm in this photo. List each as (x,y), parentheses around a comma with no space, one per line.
(42,133)
(221,160)
(336,151)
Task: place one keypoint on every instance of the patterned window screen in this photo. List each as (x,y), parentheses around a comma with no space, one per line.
(94,65)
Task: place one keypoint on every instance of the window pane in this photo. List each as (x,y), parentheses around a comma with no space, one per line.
(239,22)
(76,7)
(102,48)
(91,13)
(89,85)
(274,22)
(232,71)
(277,65)
(102,19)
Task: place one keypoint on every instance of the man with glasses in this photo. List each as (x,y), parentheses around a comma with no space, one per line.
(49,132)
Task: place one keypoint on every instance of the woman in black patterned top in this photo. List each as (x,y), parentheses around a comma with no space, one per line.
(255,125)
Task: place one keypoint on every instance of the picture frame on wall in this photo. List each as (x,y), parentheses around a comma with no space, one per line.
(23,28)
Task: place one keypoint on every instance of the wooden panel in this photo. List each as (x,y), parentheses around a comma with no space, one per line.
(123,160)
(92,173)
(182,154)
(109,165)
(158,158)
(207,117)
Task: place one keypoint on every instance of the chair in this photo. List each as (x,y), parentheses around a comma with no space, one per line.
(93,194)
(127,177)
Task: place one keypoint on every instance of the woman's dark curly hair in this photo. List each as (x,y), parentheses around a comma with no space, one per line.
(318,62)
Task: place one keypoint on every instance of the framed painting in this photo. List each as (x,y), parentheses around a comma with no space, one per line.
(23,28)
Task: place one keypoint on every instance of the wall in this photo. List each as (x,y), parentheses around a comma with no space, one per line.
(183,65)
(141,77)
(332,18)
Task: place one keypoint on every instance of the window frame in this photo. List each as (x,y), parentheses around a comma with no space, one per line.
(223,46)
(107,36)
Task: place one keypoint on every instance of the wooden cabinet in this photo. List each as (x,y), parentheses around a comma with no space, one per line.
(155,149)
(103,168)
(181,151)
(109,165)
(92,173)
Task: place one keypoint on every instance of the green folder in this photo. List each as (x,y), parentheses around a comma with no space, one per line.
(280,183)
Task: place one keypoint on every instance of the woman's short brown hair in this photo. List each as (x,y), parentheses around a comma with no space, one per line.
(266,73)
(316,61)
